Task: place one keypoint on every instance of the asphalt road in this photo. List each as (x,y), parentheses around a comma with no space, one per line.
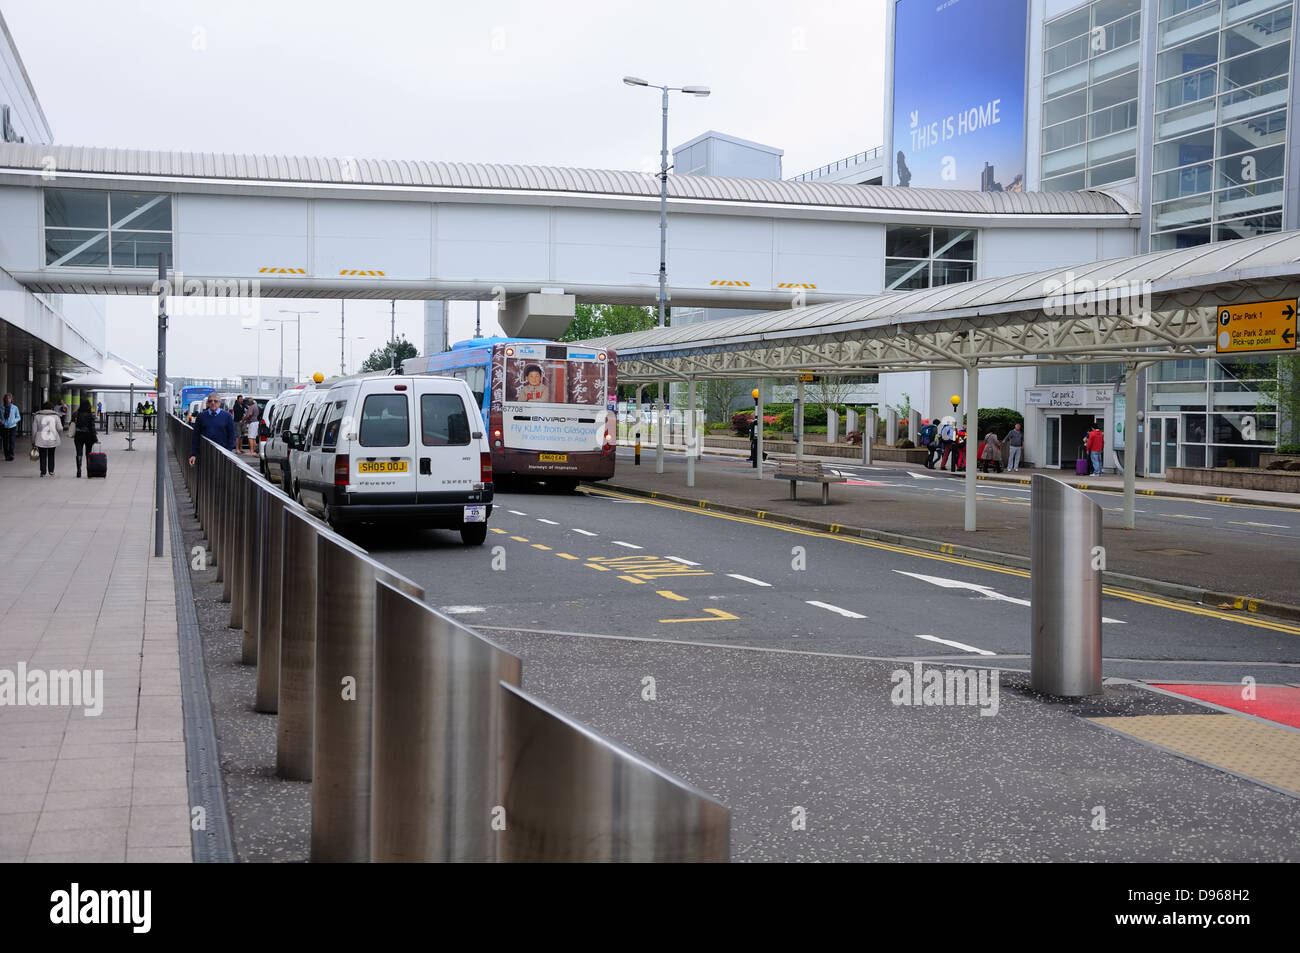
(601,563)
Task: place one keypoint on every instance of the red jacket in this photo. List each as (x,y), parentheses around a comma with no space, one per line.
(1096,442)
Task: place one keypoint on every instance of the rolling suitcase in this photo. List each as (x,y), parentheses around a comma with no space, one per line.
(96,464)
(1081,466)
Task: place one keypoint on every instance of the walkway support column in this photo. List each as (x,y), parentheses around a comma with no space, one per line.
(972,439)
(798,419)
(659,429)
(1130,447)
(691,435)
(758,425)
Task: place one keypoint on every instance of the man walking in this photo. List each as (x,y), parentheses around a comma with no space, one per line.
(1016,443)
(214,423)
(9,420)
(1095,445)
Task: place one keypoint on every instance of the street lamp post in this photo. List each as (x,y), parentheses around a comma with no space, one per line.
(663,181)
(297,319)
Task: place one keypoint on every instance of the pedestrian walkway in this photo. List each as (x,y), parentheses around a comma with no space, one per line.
(92,754)
(1191,558)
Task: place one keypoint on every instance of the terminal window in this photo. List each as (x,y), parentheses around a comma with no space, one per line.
(94,229)
(918,257)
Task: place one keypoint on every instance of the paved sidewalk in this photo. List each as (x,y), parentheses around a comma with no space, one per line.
(1222,567)
(82,591)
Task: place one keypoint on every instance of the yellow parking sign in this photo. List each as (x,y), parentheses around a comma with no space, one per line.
(1257,326)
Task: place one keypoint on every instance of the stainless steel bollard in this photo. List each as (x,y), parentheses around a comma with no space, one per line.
(570,795)
(269,613)
(297,681)
(254,576)
(226,519)
(238,568)
(436,734)
(344,702)
(1065,589)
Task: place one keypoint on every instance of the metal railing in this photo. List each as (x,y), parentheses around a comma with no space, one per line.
(412,728)
(846,163)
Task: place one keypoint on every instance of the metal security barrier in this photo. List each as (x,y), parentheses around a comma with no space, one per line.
(410,726)
(1066,562)
(297,674)
(345,694)
(570,795)
(437,729)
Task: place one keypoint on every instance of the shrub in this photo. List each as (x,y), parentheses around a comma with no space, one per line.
(1000,420)
(905,444)
(740,422)
(1293,465)
(1289,448)
(854,437)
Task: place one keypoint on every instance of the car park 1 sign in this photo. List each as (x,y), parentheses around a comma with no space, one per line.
(1257,326)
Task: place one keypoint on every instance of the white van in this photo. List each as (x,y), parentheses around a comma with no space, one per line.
(409,450)
(282,418)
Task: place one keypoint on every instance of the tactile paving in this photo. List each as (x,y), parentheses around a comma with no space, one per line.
(1251,748)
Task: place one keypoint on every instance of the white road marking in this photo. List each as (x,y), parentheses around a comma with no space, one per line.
(956,645)
(548,522)
(516,512)
(684,562)
(583,532)
(919,476)
(619,542)
(462,610)
(1269,525)
(843,612)
(756,582)
(1184,516)
(986,591)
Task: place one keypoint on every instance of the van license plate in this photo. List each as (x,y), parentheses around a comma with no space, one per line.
(475,514)
(381,466)
(553,457)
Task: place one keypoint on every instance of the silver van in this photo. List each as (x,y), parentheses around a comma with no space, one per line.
(397,449)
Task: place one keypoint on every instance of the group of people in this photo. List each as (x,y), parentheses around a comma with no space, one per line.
(148,411)
(214,422)
(943,441)
(48,424)
(247,415)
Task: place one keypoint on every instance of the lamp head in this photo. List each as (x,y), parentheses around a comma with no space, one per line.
(754,394)
(955,399)
(700,91)
(635,81)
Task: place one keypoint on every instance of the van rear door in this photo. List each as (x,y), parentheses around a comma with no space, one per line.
(449,467)
(382,455)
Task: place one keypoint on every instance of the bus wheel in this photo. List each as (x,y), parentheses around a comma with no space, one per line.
(473,534)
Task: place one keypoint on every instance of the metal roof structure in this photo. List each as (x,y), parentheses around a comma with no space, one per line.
(1156,306)
(342,171)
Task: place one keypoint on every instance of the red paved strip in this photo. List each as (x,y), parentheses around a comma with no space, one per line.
(1280,703)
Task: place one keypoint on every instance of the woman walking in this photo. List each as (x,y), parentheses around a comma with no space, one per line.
(991,453)
(46,425)
(85,436)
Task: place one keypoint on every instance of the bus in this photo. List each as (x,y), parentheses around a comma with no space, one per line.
(549,407)
(189,395)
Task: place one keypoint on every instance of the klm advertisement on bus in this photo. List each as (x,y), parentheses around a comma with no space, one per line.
(959,94)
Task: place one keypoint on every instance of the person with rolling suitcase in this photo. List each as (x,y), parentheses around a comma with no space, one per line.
(84,435)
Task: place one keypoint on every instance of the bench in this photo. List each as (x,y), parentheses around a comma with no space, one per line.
(807,471)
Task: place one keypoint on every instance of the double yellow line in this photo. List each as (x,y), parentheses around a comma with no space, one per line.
(1131,596)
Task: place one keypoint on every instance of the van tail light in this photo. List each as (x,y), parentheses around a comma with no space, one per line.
(342,463)
(485,467)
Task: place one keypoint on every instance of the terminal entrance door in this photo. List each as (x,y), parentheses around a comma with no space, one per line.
(1162,443)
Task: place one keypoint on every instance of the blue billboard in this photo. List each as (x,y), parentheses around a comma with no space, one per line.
(959,94)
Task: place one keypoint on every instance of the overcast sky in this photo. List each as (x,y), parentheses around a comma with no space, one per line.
(490,81)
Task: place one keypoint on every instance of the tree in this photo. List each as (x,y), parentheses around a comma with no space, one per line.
(721,396)
(1277,382)
(606,320)
(832,390)
(382,359)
